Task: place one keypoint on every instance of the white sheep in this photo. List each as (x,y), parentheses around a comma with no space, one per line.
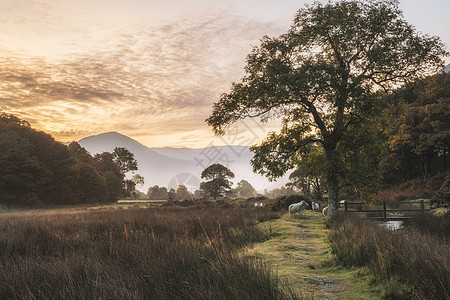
(297,207)
(315,206)
(325,211)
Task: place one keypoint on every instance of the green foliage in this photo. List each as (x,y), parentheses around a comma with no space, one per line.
(245,190)
(183,193)
(322,79)
(157,193)
(309,174)
(419,130)
(218,183)
(124,159)
(114,184)
(114,166)
(35,170)
(282,203)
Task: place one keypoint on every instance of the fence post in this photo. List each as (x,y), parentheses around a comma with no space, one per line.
(422,207)
(345,206)
(384,211)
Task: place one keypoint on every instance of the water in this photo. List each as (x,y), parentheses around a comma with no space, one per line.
(393,225)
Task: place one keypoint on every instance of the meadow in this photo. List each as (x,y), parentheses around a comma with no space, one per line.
(218,250)
(411,263)
(136,253)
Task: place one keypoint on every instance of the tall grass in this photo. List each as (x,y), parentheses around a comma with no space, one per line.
(157,253)
(419,261)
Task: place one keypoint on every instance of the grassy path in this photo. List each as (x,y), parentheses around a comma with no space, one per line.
(299,252)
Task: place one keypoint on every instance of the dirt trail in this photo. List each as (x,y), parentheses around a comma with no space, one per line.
(299,252)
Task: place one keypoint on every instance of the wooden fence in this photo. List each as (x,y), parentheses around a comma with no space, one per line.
(395,214)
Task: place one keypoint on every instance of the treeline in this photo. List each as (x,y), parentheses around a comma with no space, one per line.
(36,170)
(243,190)
(408,138)
(417,129)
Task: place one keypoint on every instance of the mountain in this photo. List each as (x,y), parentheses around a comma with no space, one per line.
(170,167)
(446,69)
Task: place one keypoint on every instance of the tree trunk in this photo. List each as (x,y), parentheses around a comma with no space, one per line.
(333,194)
(332,179)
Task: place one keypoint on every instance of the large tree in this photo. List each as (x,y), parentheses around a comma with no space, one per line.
(125,160)
(217,180)
(323,78)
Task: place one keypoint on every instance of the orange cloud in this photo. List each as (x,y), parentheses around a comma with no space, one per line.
(151,81)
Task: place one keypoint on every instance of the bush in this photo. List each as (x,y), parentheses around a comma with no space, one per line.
(282,203)
(441,199)
(419,261)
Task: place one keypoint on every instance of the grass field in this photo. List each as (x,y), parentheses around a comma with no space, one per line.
(300,253)
(211,250)
(135,253)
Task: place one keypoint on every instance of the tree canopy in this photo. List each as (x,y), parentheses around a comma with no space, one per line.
(323,78)
(419,128)
(125,160)
(245,190)
(35,170)
(218,182)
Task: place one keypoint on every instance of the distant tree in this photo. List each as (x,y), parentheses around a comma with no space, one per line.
(140,195)
(138,180)
(199,194)
(131,184)
(118,163)
(157,193)
(171,195)
(80,153)
(114,185)
(245,190)
(282,191)
(322,78)
(105,163)
(91,185)
(125,160)
(183,193)
(218,183)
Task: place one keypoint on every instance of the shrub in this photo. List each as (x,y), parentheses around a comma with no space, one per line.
(282,203)
(418,260)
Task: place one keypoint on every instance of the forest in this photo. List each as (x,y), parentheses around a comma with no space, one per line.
(37,171)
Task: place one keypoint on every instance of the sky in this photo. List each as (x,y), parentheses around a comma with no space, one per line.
(149,69)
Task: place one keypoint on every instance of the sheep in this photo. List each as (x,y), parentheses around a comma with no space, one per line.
(297,207)
(325,211)
(259,204)
(315,206)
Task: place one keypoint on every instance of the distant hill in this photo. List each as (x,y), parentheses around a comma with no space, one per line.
(170,167)
(446,69)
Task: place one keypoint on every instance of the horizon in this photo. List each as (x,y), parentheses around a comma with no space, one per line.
(152,147)
(150,71)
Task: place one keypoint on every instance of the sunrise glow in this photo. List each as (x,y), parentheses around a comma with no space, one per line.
(148,69)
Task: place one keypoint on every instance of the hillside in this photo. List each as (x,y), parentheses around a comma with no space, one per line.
(170,167)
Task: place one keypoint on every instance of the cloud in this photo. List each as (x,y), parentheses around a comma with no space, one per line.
(154,79)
